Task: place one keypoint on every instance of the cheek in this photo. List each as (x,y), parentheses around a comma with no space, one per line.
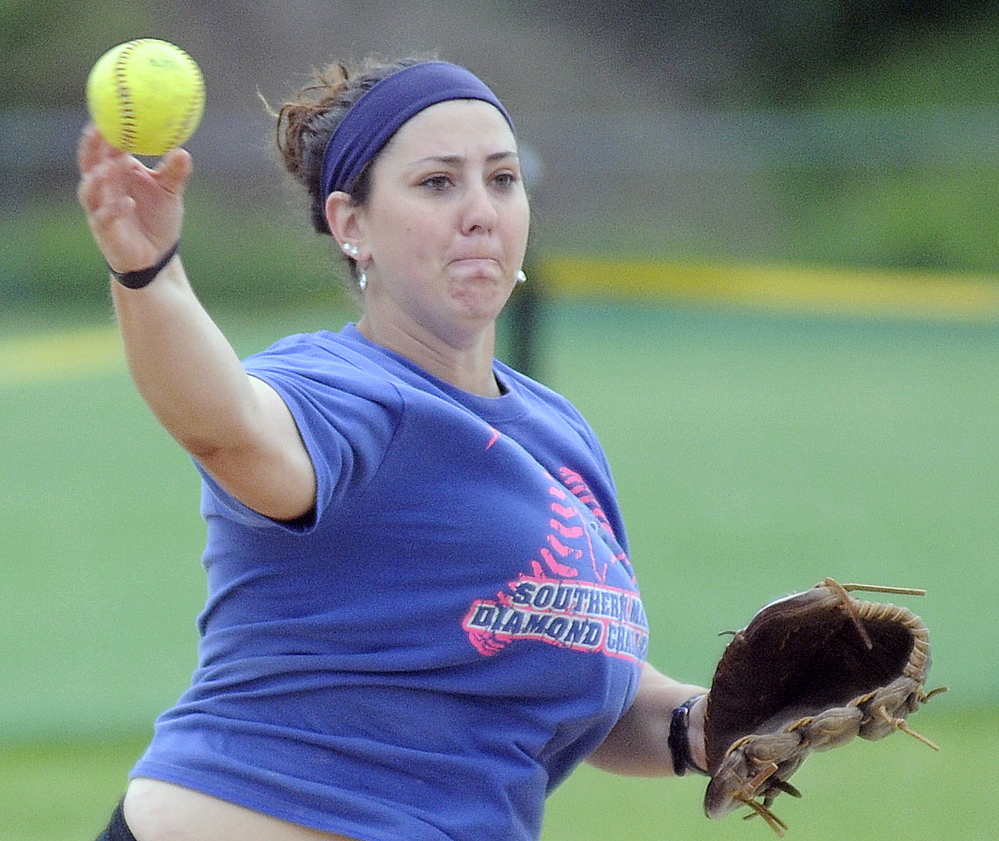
(415,231)
(519,223)
(406,240)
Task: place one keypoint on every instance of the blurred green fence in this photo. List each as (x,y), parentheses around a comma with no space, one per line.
(914,189)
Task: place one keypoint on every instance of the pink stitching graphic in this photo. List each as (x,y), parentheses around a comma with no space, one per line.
(563,609)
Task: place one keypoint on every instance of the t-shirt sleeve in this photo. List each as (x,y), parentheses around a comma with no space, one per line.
(346,417)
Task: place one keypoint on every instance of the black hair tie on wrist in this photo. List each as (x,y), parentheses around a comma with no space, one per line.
(679,740)
(143,277)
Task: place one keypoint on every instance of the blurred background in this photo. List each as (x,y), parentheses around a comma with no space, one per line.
(829,132)
(764,263)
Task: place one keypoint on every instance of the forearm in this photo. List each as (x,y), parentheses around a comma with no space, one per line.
(638,744)
(182,364)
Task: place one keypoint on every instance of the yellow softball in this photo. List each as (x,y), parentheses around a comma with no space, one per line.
(146,96)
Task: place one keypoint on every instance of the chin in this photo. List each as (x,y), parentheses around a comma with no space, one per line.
(485,299)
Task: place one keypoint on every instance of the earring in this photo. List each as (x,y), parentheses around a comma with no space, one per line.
(521,277)
(362,281)
(350,249)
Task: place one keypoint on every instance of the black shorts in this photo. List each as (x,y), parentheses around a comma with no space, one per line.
(117,828)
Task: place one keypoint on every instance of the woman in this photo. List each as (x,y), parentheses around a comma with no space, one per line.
(421,612)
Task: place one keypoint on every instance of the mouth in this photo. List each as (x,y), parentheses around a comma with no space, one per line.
(477,265)
(475,259)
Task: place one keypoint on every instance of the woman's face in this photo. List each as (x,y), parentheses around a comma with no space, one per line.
(444,232)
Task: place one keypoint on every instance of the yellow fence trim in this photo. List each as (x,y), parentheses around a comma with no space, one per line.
(29,359)
(780,288)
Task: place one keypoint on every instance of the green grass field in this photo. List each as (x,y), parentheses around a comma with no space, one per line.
(754,454)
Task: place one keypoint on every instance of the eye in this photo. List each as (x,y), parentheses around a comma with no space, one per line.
(438,183)
(505,180)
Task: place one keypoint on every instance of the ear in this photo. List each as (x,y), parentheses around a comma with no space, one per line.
(343,217)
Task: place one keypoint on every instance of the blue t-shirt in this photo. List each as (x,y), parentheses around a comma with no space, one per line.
(451,633)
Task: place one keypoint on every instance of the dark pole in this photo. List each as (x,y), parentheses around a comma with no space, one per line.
(525,307)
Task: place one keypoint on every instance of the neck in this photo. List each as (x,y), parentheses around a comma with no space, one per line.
(465,363)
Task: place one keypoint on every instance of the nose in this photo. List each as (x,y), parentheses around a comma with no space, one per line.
(479,213)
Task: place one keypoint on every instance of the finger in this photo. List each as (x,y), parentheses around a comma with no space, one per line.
(174,170)
(92,148)
(108,213)
(92,190)
(102,198)
(87,192)
(87,148)
(99,184)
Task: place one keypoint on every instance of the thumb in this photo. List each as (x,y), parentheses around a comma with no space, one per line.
(174,170)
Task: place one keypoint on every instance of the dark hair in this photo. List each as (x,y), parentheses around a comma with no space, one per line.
(306,123)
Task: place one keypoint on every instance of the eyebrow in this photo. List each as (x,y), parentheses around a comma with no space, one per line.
(454,160)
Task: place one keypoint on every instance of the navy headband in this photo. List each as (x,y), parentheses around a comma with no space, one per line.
(380,112)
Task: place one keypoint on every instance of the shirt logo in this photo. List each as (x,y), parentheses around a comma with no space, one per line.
(565,600)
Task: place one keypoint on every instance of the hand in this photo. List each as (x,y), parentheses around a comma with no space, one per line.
(695,732)
(135,213)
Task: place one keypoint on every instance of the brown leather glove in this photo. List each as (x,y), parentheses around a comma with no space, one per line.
(810,671)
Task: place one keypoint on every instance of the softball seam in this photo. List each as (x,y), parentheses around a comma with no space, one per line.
(124,94)
(182,131)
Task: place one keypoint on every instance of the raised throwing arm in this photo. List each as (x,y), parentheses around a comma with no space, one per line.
(236,426)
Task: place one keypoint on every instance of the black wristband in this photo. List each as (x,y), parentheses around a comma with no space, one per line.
(679,740)
(143,277)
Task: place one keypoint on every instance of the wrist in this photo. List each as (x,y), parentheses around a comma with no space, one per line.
(686,737)
(143,277)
